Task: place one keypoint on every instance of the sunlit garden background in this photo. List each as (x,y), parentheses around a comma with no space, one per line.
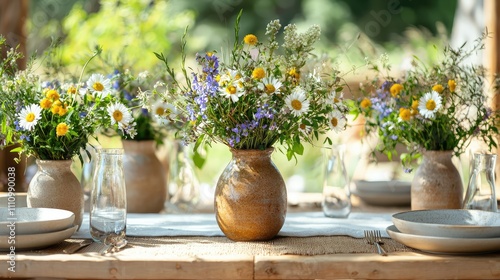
(131,30)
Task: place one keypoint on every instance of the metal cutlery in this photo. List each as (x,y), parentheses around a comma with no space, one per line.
(374,238)
(75,247)
(113,247)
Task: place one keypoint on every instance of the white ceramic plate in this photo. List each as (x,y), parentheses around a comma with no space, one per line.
(19,199)
(455,223)
(393,186)
(445,245)
(35,220)
(37,241)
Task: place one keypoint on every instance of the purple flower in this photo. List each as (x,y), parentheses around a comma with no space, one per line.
(25,137)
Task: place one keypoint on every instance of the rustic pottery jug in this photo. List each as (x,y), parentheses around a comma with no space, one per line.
(437,183)
(250,197)
(55,186)
(145,177)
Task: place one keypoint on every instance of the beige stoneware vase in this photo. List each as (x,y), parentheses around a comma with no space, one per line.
(55,186)
(437,183)
(250,197)
(145,177)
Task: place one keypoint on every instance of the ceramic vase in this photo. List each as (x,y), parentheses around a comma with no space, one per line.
(145,177)
(55,186)
(437,183)
(250,197)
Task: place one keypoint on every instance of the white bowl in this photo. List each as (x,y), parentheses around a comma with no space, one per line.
(393,186)
(383,193)
(19,199)
(37,241)
(34,220)
(445,245)
(453,223)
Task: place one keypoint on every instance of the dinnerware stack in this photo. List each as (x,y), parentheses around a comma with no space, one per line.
(34,228)
(383,193)
(447,231)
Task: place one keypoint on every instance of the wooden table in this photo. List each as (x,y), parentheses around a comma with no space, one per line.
(407,265)
(146,260)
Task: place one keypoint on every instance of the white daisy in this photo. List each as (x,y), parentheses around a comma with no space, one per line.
(429,104)
(29,116)
(231,76)
(334,98)
(337,122)
(120,115)
(270,85)
(233,91)
(297,102)
(164,112)
(99,85)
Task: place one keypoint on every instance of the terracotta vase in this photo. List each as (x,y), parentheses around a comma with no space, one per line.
(437,183)
(250,197)
(145,177)
(55,186)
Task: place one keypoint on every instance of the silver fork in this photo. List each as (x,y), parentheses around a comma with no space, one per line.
(371,238)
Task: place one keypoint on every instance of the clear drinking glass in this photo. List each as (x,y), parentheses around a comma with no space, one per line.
(480,193)
(336,193)
(108,204)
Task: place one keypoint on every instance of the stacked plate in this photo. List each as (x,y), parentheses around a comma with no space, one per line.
(447,231)
(384,193)
(34,228)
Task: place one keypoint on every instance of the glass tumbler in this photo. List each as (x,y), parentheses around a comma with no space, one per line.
(336,193)
(480,194)
(108,204)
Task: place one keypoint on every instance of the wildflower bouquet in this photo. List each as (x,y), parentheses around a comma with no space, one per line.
(262,93)
(53,120)
(441,107)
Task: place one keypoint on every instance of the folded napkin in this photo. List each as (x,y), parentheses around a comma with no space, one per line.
(296,225)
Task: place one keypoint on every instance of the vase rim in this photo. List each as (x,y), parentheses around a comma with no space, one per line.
(53,160)
(252,151)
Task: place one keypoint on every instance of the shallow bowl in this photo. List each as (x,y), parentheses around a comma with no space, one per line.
(455,223)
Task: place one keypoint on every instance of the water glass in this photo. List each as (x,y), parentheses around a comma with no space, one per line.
(336,193)
(480,194)
(108,204)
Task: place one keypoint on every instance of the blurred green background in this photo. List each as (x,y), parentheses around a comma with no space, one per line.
(131,30)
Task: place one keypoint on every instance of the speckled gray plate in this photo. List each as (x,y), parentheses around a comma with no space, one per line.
(445,245)
(384,187)
(452,223)
(37,241)
(34,220)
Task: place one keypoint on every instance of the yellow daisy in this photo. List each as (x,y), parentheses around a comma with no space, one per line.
(258,73)
(438,88)
(404,114)
(365,103)
(62,129)
(250,39)
(396,90)
(452,85)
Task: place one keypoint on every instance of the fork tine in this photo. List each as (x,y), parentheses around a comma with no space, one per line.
(367,237)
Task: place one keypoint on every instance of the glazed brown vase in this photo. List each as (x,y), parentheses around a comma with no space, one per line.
(437,183)
(250,197)
(145,177)
(55,186)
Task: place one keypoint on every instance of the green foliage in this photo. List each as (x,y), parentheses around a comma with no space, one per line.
(127,29)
